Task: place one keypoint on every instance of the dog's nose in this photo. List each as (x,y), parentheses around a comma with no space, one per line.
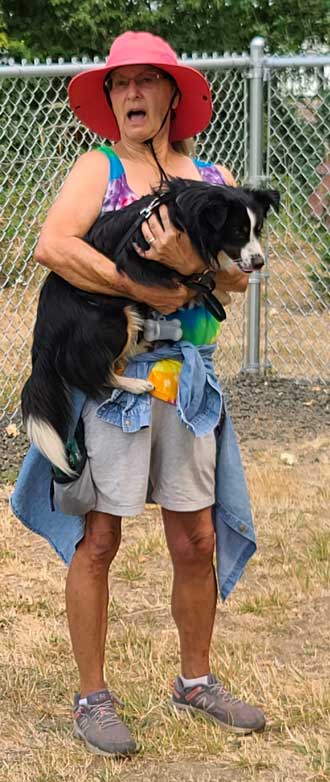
(257,261)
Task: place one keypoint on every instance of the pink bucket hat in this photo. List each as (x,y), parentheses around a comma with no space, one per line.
(89,103)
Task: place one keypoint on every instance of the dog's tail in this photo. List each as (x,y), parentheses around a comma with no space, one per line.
(46,410)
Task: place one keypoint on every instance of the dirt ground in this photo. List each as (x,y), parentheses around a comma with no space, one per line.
(271,640)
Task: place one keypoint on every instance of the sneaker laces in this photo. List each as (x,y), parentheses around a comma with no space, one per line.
(105,713)
(218,689)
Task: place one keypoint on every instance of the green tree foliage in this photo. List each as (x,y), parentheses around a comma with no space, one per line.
(55,28)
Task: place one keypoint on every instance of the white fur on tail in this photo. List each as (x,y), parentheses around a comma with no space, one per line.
(46,439)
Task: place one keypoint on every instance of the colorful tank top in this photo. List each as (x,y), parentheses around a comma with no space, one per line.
(198,325)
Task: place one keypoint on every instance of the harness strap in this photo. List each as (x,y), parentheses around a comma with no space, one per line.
(143,215)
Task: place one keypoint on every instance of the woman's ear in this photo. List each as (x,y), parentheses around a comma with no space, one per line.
(176,101)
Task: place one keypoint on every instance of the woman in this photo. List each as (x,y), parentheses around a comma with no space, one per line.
(147,103)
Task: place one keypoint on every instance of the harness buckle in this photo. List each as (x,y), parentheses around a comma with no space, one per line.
(147,211)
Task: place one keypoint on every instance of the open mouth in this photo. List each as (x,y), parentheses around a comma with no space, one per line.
(136,115)
(244,266)
(249,266)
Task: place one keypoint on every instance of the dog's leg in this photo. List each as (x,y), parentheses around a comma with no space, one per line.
(135,323)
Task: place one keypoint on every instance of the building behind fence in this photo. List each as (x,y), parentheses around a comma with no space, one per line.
(271,127)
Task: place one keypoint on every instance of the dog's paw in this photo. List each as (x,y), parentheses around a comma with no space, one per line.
(132,384)
(141,386)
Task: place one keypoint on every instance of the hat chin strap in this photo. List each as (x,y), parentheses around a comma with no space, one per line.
(149,142)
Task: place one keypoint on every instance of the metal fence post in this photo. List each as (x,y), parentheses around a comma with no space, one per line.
(255,168)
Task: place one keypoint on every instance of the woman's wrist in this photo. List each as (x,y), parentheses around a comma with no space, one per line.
(193,264)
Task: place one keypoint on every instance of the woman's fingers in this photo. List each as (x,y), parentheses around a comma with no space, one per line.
(168,245)
(148,233)
(156,228)
(161,237)
(164,223)
(161,224)
(159,228)
(139,251)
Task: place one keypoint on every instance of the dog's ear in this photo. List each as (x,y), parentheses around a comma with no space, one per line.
(211,211)
(215,214)
(267,199)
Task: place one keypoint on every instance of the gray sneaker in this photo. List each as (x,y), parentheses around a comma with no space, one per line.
(217,704)
(98,725)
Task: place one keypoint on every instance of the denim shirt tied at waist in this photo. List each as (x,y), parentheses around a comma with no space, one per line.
(200,407)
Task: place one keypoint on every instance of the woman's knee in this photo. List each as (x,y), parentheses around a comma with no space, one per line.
(194,551)
(192,545)
(102,538)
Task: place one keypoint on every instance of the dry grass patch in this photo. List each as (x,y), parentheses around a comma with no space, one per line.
(271,645)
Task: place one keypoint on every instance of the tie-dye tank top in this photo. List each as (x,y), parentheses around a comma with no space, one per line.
(197,323)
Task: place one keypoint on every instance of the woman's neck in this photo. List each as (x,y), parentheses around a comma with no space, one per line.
(140,151)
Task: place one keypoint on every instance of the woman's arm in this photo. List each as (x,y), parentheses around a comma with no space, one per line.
(61,247)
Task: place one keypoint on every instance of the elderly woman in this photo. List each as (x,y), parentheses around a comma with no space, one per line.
(148,103)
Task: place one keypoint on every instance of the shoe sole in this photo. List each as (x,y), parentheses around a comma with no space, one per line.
(211,718)
(97,751)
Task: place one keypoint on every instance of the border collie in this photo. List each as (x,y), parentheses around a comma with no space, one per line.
(81,339)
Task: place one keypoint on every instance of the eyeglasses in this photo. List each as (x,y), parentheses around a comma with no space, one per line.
(145,81)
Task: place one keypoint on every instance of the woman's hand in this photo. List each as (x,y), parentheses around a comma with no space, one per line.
(169,246)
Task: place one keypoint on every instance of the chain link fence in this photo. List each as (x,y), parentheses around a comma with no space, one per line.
(298,158)
(40,139)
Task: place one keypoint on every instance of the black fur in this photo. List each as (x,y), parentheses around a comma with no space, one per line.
(78,336)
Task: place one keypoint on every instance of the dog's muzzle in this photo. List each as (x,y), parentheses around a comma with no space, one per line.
(251,263)
(257,261)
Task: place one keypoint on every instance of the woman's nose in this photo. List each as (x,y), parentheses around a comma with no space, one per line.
(133,87)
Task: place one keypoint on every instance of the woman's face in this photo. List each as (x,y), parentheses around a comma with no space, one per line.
(140,97)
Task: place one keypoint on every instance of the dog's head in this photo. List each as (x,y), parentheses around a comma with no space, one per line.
(242,229)
(230,220)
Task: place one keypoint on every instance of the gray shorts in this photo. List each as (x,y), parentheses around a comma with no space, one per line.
(164,462)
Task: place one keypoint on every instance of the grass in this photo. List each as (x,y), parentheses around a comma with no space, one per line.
(271,645)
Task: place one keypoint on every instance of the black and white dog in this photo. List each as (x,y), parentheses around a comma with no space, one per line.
(81,339)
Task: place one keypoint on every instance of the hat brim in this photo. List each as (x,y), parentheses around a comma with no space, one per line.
(193,114)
